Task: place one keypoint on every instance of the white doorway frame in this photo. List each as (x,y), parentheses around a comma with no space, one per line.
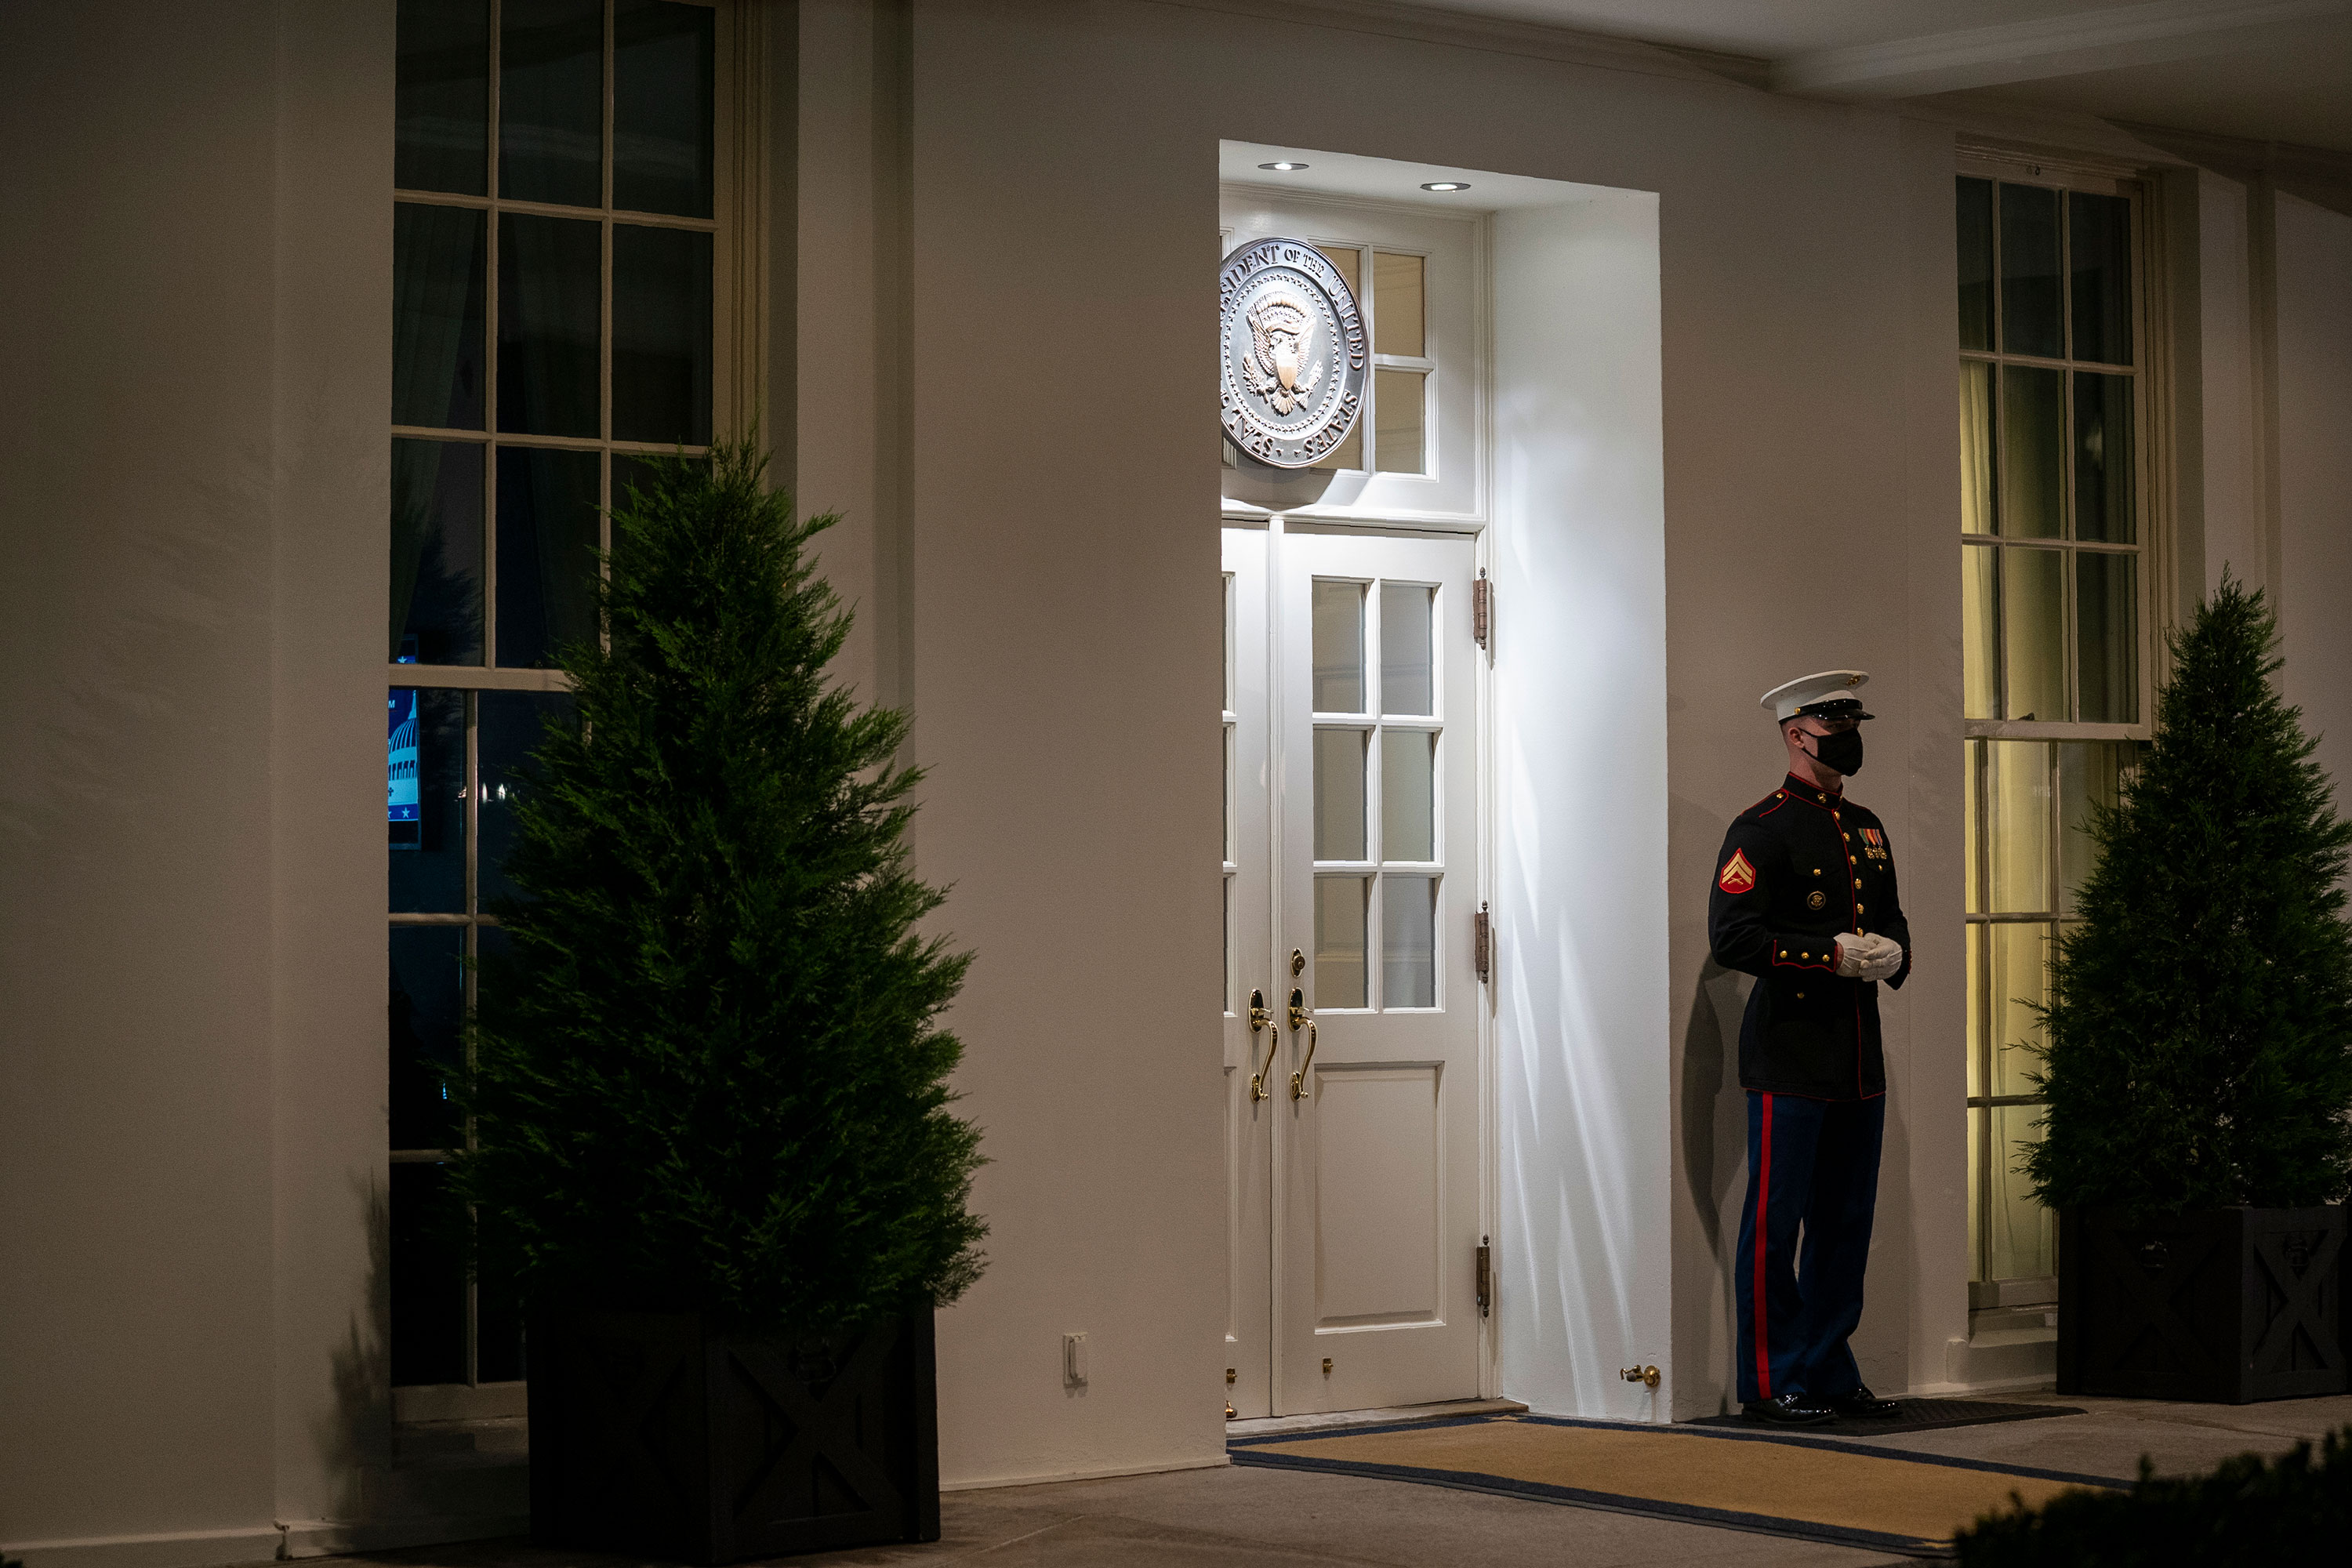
(1457,505)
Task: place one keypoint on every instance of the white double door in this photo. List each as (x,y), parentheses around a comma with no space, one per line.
(1354,1089)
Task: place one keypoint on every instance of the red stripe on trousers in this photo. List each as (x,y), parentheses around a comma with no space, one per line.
(1763,1199)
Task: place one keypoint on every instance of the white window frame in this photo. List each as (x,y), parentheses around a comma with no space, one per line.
(2152,552)
(737,224)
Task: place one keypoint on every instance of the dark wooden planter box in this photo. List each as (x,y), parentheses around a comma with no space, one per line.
(659,1435)
(2225,1306)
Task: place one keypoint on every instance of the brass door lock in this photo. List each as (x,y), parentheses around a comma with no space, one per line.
(1645,1375)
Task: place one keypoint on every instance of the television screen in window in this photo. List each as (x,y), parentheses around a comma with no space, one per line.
(402,802)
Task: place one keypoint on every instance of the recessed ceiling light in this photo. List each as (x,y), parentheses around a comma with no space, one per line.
(1447,186)
(1283,166)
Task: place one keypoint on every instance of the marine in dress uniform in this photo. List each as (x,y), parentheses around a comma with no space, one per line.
(1805,900)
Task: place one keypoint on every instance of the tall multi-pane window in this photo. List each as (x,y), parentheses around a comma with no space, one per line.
(553,232)
(2052,584)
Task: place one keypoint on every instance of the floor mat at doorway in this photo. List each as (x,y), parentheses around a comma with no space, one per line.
(1918,1415)
(1814,1489)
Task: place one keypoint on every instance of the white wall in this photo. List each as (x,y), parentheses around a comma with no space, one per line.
(1585,1145)
(194,244)
(2314,248)
(2235,525)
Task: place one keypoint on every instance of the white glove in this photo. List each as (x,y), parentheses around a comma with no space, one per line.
(1883,959)
(1853,951)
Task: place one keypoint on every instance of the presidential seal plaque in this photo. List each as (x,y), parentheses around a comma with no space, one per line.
(1292,354)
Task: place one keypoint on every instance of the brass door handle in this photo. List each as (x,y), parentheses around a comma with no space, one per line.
(1297,1009)
(1298,1079)
(1260,1016)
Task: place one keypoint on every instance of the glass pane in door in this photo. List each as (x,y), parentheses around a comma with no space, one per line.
(1340,910)
(1338,674)
(1407,673)
(1408,794)
(1408,941)
(1339,795)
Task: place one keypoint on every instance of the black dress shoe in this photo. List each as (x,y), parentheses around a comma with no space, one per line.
(1860,1404)
(1788,1410)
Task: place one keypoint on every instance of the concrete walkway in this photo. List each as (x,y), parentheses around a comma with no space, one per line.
(1244,1518)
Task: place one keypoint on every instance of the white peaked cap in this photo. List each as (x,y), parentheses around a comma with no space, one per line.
(1809,690)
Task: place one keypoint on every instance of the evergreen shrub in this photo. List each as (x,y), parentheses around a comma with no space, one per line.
(708,1075)
(2197,1043)
(2251,1512)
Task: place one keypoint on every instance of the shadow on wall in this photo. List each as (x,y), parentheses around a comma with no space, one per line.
(1714,1142)
(356,1435)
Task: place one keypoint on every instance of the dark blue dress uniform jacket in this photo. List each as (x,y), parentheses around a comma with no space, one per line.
(1797,868)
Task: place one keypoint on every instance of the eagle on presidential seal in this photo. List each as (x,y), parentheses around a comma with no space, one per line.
(1280,325)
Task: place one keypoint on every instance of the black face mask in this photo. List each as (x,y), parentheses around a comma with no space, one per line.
(1840,752)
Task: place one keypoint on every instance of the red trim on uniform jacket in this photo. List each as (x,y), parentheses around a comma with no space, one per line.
(1854,907)
(1763,1201)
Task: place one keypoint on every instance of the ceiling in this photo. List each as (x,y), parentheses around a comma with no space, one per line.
(2264,70)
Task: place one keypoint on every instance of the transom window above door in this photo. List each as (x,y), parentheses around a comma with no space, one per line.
(1415,451)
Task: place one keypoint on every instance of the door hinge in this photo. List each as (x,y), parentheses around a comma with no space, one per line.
(1482,942)
(1485,1278)
(1482,608)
